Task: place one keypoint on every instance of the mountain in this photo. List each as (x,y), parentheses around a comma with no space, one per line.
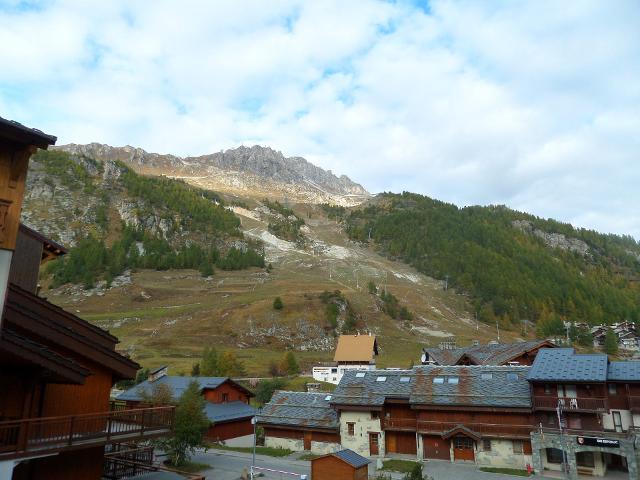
(256,172)
(514,265)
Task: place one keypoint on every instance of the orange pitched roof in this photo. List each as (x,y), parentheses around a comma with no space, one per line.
(356,348)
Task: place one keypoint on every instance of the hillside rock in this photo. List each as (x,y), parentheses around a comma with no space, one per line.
(258,170)
(553,240)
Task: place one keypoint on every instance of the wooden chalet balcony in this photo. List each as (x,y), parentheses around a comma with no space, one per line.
(44,435)
(408,424)
(579,404)
(634,404)
(484,429)
(438,428)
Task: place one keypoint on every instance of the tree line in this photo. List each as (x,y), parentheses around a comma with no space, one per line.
(510,275)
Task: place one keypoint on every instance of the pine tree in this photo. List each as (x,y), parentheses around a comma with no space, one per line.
(209,366)
(610,342)
(195,370)
(277,304)
(190,425)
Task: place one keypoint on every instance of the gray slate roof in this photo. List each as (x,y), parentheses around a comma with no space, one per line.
(624,371)
(481,385)
(352,458)
(563,364)
(177,384)
(226,412)
(498,354)
(299,409)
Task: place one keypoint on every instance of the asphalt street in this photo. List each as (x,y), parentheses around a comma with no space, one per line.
(228,465)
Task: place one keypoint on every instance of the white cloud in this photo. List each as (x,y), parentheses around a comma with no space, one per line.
(534,105)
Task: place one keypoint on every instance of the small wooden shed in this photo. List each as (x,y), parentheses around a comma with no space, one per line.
(342,465)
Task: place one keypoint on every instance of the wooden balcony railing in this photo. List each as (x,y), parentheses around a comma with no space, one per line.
(630,433)
(425,426)
(32,436)
(579,404)
(399,424)
(484,429)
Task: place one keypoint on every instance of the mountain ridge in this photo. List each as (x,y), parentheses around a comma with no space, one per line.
(254,171)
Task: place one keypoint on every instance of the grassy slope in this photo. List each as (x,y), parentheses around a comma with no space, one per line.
(169,317)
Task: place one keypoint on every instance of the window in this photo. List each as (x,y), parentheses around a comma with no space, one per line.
(452,380)
(463,443)
(381,379)
(585,459)
(486,376)
(405,379)
(351,429)
(486,444)
(360,375)
(438,380)
(225,397)
(512,377)
(568,391)
(547,389)
(517,446)
(617,421)
(327,398)
(374,415)
(551,419)
(554,455)
(613,388)
(334,370)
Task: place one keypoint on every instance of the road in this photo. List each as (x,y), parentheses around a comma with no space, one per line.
(227,465)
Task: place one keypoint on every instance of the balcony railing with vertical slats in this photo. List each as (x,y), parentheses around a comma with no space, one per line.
(34,436)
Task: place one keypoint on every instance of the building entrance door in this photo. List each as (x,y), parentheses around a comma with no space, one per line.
(373,444)
(463,449)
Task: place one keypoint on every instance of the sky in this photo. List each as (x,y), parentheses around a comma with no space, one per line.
(530,104)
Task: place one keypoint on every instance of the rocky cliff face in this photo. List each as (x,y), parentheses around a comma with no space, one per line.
(553,240)
(251,171)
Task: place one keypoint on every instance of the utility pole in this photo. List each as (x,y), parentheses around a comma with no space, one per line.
(565,466)
(477,326)
(498,329)
(446,282)
(370,233)
(254,421)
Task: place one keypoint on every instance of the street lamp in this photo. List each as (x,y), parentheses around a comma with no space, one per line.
(254,422)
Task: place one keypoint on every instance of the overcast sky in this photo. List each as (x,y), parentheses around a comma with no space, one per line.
(535,105)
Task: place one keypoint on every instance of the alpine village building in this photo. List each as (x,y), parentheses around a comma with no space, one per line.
(56,370)
(492,415)
(227,403)
(353,352)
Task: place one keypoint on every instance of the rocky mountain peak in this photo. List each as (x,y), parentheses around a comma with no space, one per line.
(258,169)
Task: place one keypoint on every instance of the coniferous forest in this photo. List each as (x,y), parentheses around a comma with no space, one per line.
(509,273)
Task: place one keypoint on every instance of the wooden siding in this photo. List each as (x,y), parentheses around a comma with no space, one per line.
(227,430)
(91,397)
(25,264)
(14,161)
(332,468)
(283,433)
(215,395)
(83,464)
(328,437)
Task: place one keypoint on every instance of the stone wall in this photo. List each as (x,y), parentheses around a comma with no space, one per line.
(363,424)
(501,455)
(290,443)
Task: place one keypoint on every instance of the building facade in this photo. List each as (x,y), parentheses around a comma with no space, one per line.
(56,370)
(353,352)
(227,402)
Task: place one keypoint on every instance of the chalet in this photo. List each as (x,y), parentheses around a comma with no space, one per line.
(520,353)
(300,421)
(56,370)
(354,352)
(455,413)
(227,402)
(341,465)
(595,402)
